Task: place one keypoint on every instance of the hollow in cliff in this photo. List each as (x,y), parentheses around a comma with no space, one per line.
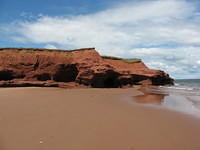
(109,79)
(65,73)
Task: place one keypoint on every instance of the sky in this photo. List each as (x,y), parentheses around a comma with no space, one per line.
(165,34)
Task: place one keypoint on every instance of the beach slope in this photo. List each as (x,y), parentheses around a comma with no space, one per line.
(90,119)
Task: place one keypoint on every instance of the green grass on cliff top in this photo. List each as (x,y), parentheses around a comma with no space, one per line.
(42,49)
(129,60)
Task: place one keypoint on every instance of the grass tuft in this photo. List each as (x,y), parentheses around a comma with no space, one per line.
(129,60)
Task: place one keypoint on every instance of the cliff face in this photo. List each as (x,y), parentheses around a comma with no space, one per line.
(78,68)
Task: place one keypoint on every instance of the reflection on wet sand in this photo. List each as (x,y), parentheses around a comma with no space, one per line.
(149,97)
(178,100)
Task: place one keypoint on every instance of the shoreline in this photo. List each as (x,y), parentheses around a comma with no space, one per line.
(170,98)
(93,119)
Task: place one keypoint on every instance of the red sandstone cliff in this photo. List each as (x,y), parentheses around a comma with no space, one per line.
(84,67)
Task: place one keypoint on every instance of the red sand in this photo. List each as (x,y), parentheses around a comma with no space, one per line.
(89,119)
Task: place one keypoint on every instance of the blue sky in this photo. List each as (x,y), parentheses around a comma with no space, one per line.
(12,9)
(164,33)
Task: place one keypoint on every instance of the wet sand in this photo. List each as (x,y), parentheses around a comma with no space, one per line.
(90,119)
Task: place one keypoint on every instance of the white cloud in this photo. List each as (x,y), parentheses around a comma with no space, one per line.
(50,46)
(179,62)
(120,30)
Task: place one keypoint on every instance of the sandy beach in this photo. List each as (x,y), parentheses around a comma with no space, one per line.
(90,119)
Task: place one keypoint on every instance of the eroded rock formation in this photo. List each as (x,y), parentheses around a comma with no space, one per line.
(77,68)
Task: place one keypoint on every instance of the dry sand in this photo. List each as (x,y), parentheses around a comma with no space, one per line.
(90,119)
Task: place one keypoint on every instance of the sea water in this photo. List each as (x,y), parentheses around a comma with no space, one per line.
(183,96)
(189,85)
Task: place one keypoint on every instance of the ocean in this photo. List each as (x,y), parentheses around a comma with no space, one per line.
(183,96)
(188,84)
(187,87)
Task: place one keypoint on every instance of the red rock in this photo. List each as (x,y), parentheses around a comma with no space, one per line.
(77,68)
